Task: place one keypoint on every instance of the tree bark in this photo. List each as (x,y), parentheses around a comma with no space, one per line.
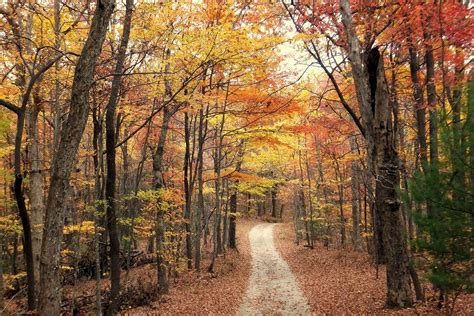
(233,203)
(159,184)
(63,161)
(219,138)
(355,197)
(373,99)
(187,191)
(273,193)
(110,182)
(35,192)
(200,195)
(340,190)
(432,100)
(419,104)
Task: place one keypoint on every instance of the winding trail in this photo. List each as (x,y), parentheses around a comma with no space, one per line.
(272,288)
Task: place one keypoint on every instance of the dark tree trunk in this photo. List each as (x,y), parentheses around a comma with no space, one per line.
(274,202)
(27,244)
(162,265)
(202,130)
(388,179)
(432,100)
(233,204)
(340,189)
(63,161)
(187,191)
(111,177)
(232,223)
(355,198)
(249,203)
(309,239)
(419,104)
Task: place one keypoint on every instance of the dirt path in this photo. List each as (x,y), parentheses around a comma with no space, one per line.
(272,288)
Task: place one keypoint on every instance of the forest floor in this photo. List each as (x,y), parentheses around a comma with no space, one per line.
(269,274)
(340,281)
(202,293)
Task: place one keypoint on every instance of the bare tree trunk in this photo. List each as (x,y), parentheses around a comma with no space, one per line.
(219,137)
(233,202)
(217,188)
(373,98)
(273,193)
(233,211)
(459,139)
(63,161)
(355,197)
(200,195)
(162,265)
(309,239)
(310,199)
(110,182)
(188,191)
(249,203)
(35,192)
(225,220)
(419,104)
(432,100)
(340,190)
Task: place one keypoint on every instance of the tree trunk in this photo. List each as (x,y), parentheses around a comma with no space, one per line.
(219,137)
(355,197)
(217,196)
(187,191)
(110,182)
(459,140)
(373,98)
(274,206)
(340,189)
(431,92)
(232,223)
(233,203)
(309,239)
(63,161)
(23,213)
(35,192)
(249,203)
(159,184)
(200,195)
(419,104)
